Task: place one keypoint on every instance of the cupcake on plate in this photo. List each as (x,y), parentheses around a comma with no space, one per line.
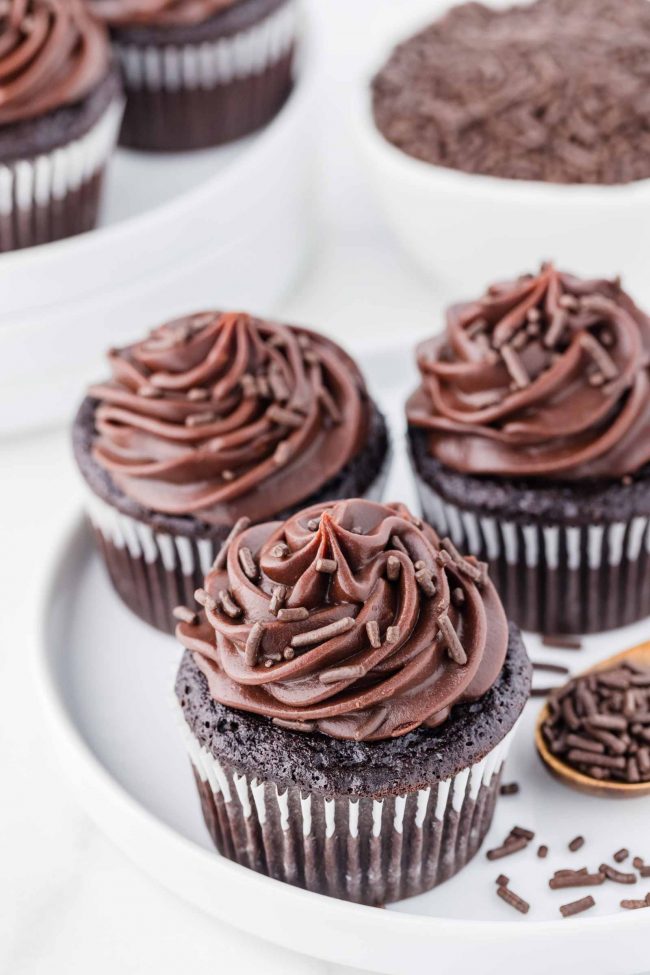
(60,110)
(210,422)
(530,440)
(347,699)
(199,73)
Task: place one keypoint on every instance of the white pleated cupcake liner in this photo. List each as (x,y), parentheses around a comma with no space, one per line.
(369,850)
(155,571)
(555,578)
(208,65)
(56,194)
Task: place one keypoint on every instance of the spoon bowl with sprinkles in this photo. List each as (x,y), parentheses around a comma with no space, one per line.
(593,733)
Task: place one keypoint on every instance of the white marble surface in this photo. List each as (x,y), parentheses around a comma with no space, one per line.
(70,902)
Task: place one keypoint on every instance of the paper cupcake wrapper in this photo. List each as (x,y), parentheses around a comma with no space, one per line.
(367,850)
(555,578)
(57,194)
(155,571)
(196,95)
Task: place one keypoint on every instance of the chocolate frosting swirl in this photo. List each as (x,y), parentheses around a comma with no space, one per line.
(543,377)
(352,619)
(52,53)
(127,13)
(218,415)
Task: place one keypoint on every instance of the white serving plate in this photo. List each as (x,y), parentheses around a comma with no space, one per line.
(226,227)
(105,681)
(465,230)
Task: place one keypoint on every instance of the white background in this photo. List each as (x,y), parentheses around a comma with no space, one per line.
(69,901)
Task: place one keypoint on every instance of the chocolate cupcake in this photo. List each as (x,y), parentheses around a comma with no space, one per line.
(200,73)
(60,111)
(211,420)
(347,699)
(530,439)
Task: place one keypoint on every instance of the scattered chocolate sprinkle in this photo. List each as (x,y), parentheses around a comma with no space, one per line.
(576,843)
(452,641)
(322,633)
(561,642)
(185,615)
(228,475)
(288,653)
(327,566)
(277,598)
(197,394)
(200,419)
(240,525)
(634,905)
(253,643)
(268,663)
(313,524)
(280,551)
(293,615)
(617,875)
(336,674)
(278,386)
(294,725)
(286,418)
(392,634)
(519,831)
(476,571)
(149,392)
(513,899)
(512,845)
(283,452)
(644,871)
(393,568)
(509,789)
(372,629)
(542,851)
(425,582)
(228,604)
(556,328)
(247,562)
(638,863)
(204,599)
(550,668)
(502,880)
(577,907)
(564,879)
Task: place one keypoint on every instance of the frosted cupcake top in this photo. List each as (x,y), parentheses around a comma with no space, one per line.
(547,377)
(221,414)
(52,54)
(353,619)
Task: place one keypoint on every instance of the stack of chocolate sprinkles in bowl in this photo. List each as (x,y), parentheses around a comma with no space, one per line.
(599,724)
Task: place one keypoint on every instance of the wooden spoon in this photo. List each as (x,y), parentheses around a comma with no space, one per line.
(570,776)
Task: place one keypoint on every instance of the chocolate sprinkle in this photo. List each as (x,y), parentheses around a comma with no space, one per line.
(322,633)
(253,644)
(577,843)
(372,629)
(293,615)
(513,899)
(577,907)
(185,615)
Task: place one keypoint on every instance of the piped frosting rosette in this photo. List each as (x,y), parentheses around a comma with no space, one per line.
(216,414)
(353,619)
(544,377)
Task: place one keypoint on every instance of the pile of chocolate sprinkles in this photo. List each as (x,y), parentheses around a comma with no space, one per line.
(519,839)
(599,724)
(553,91)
